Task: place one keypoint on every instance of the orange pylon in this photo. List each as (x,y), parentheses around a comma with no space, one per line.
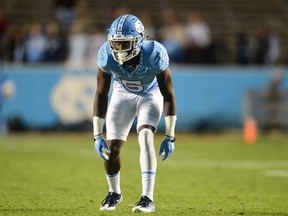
(250,130)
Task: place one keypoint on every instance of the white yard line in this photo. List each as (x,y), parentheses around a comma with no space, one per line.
(276,173)
(236,164)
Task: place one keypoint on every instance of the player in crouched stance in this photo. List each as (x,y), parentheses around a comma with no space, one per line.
(142,86)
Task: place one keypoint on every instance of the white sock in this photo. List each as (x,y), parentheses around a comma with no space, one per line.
(114,182)
(148,161)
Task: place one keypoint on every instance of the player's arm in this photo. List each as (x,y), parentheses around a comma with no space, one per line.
(101,95)
(166,87)
(99,112)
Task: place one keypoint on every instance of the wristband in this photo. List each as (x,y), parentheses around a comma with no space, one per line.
(98,124)
(173,139)
(170,122)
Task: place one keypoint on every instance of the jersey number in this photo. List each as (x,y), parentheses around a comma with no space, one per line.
(133,85)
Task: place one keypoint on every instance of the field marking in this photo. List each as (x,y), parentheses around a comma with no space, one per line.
(236,164)
(276,173)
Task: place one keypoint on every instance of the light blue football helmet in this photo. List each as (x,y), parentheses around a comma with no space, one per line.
(126,37)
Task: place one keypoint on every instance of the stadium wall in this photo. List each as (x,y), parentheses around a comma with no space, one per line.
(207,97)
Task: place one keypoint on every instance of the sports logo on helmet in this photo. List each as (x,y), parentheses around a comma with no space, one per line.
(139,26)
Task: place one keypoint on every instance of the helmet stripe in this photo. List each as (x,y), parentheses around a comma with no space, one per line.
(121,23)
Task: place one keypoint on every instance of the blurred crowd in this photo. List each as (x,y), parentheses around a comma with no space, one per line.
(188,40)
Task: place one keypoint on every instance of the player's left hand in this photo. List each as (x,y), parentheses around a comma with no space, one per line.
(167,147)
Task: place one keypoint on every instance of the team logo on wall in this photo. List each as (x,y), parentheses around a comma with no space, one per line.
(72,98)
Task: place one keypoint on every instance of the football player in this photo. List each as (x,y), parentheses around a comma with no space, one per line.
(142,87)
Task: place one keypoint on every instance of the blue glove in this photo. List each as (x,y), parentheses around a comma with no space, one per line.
(101,147)
(167,147)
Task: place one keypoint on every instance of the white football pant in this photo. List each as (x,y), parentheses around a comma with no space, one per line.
(125,106)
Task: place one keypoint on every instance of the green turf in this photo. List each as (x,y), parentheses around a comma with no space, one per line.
(216,174)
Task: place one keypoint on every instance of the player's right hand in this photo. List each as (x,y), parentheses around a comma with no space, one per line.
(101,147)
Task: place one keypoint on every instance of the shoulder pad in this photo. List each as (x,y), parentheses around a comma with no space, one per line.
(103,55)
(155,54)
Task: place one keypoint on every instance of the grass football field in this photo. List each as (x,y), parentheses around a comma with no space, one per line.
(211,174)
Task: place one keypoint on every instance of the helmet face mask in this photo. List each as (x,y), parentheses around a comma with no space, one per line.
(119,45)
(126,37)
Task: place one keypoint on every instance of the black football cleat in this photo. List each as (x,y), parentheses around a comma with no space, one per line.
(110,202)
(144,205)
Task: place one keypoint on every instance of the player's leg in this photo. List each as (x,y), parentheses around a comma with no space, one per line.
(149,112)
(113,165)
(148,164)
(120,116)
(148,159)
(112,168)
